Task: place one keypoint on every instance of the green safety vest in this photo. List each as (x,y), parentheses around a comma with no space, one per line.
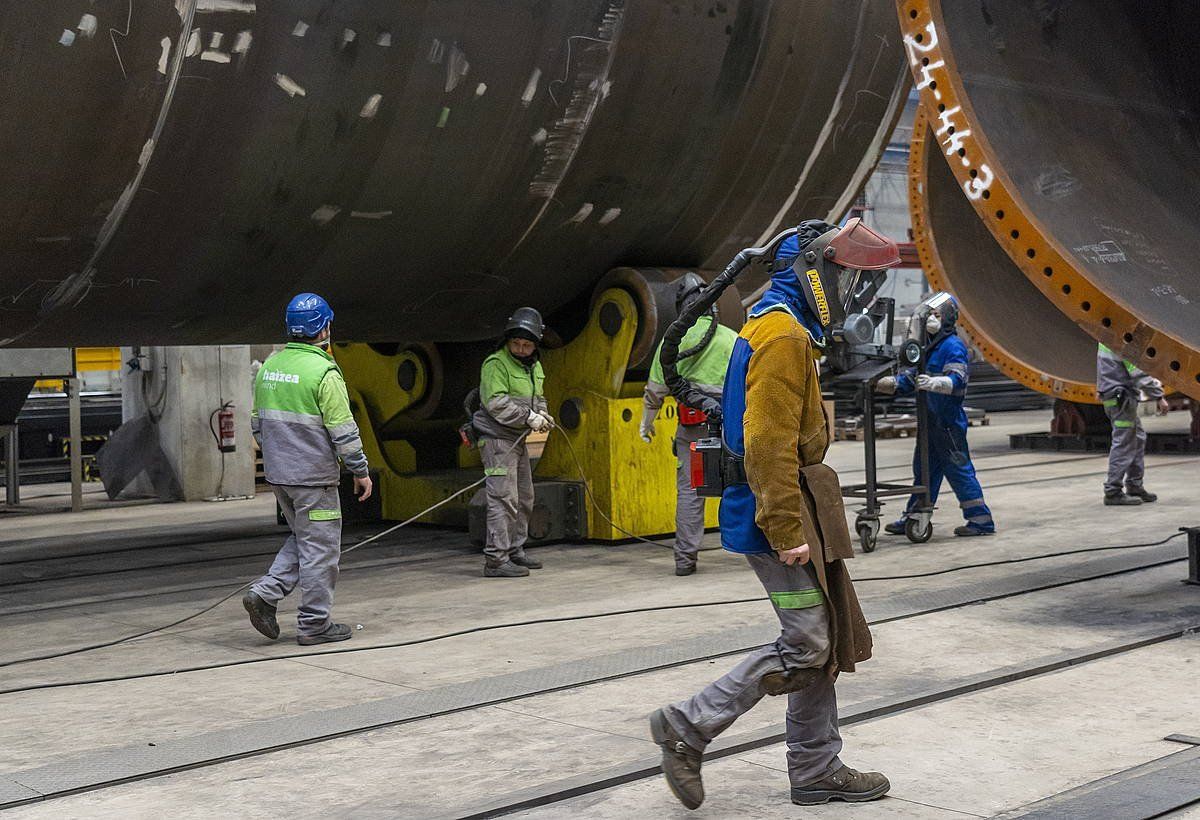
(707,368)
(508,392)
(302,415)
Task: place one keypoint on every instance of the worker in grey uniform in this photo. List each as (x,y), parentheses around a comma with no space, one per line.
(303,424)
(512,404)
(1121,385)
(703,359)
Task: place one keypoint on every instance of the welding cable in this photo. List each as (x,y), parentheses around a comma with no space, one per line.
(222,600)
(552,620)
(587,489)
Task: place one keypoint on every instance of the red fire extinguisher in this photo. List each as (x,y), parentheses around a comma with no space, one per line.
(226,431)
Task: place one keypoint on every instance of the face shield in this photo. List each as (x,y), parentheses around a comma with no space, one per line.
(939,312)
(830,270)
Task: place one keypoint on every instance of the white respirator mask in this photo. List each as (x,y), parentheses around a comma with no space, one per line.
(933,324)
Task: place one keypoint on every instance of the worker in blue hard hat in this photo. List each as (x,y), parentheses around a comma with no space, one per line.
(943,387)
(703,360)
(512,404)
(302,421)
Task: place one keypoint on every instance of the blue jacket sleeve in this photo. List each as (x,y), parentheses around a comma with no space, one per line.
(954,363)
(906,381)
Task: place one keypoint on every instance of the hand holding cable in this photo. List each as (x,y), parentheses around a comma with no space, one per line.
(540,422)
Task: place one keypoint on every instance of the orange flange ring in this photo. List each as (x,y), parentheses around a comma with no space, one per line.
(993,349)
(1042,258)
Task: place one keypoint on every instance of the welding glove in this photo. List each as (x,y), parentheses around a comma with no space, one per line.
(935,384)
(539,423)
(886,385)
(646,429)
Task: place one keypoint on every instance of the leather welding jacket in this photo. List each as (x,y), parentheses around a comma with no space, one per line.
(775,420)
(302,419)
(947,356)
(774,417)
(508,392)
(1114,373)
(705,370)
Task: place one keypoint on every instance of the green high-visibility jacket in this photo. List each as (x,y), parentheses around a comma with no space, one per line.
(302,419)
(1113,372)
(706,369)
(508,393)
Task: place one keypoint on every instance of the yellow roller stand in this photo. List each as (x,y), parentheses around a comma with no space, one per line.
(377,400)
(633,482)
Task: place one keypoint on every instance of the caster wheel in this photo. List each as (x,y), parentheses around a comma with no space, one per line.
(867,535)
(917,531)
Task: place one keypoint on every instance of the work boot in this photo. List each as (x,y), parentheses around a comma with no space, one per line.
(523,560)
(333,632)
(1121,500)
(895,528)
(506,570)
(262,615)
(680,762)
(968,530)
(690,569)
(844,784)
(1140,492)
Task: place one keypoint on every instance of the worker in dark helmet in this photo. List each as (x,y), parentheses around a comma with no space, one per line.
(302,421)
(1121,386)
(512,404)
(781,509)
(943,388)
(703,360)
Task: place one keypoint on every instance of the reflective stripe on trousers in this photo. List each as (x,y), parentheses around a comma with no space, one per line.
(509,489)
(950,458)
(813,739)
(689,507)
(309,558)
(1127,453)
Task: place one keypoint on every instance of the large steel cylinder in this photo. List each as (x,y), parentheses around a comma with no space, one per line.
(174,170)
(1073,130)
(1002,313)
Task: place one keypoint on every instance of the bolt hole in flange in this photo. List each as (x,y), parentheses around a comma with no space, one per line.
(968,260)
(1046,148)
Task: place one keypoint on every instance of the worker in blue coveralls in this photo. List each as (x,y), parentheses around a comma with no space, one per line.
(943,387)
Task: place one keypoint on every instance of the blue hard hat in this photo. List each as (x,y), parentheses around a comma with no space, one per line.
(307,315)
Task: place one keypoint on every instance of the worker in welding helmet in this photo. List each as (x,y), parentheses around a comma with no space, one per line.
(512,405)
(943,388)
(775,431)
(703,359)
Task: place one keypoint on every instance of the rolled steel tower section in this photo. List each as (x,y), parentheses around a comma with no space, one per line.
(1072,130)
(998,304)
(175,170)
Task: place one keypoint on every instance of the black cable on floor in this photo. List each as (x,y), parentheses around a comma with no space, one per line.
(539,621)
(211,607)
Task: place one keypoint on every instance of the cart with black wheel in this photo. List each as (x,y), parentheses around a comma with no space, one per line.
(873,363)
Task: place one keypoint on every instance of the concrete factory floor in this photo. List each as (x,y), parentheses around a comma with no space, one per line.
(991,688)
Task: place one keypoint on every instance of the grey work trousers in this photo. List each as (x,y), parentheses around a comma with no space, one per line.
(1127,455)
(509,489)
(813,739)
(309,557)
(689,507)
